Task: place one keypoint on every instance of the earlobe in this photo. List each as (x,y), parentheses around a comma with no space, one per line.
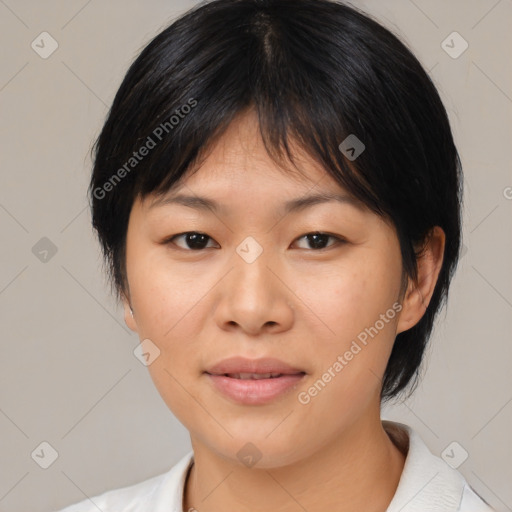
(418,294)
(129,315)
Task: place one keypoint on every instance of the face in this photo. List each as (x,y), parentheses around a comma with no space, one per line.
(316,287)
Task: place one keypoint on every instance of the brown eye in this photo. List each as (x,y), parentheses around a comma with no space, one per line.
(318,241)
(193,240)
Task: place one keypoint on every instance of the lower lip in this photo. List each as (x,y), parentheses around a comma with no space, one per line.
(253,391)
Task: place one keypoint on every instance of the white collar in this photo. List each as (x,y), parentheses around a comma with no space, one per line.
(427,482)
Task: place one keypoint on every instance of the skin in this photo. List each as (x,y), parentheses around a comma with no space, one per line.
(301,304)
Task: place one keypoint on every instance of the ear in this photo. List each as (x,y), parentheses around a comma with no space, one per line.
(129,318)
(417,296)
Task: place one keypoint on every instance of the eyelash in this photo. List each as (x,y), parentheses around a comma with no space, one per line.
(338,240)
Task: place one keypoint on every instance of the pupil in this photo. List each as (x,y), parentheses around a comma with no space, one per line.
(314,239)
(197,240)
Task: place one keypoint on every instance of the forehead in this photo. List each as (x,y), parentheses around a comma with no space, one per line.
(238,163)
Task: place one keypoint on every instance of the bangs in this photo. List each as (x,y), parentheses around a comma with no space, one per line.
(264,65)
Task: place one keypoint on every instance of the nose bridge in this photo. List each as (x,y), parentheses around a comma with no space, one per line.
(251,262)
(251,295)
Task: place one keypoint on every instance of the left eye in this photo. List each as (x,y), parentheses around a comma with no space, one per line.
(317,240)
(198,241)
(195,241)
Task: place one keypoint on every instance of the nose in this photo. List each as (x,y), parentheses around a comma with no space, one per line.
(254,297)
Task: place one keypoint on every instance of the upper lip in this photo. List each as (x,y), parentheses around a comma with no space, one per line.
(244,365)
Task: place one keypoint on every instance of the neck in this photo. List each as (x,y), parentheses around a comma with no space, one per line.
(359,470)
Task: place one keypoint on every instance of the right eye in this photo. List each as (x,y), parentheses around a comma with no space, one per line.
(194,241)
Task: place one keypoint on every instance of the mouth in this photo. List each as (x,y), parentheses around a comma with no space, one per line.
(254,381)
(255,376)
(244,368)
(254,388)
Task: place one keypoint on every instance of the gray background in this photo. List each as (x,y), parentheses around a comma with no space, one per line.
(68,375)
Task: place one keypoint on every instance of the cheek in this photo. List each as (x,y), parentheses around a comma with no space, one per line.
(168,304)
(172,302)
(349,297)
(162,294)
(358,340)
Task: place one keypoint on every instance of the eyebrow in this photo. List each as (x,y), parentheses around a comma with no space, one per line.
(294,205)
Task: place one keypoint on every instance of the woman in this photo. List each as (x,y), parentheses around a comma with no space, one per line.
(277,194)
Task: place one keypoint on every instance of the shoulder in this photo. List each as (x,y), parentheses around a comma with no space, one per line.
(161,492)
(473,502)
(428,483)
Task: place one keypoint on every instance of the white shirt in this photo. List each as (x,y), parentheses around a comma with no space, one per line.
(427,484)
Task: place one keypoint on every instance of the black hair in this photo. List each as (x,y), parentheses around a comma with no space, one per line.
(315,72)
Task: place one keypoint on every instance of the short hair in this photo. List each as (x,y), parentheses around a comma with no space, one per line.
(315,72)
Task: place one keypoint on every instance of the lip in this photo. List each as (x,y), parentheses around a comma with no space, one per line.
(254,391)
(245,365)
